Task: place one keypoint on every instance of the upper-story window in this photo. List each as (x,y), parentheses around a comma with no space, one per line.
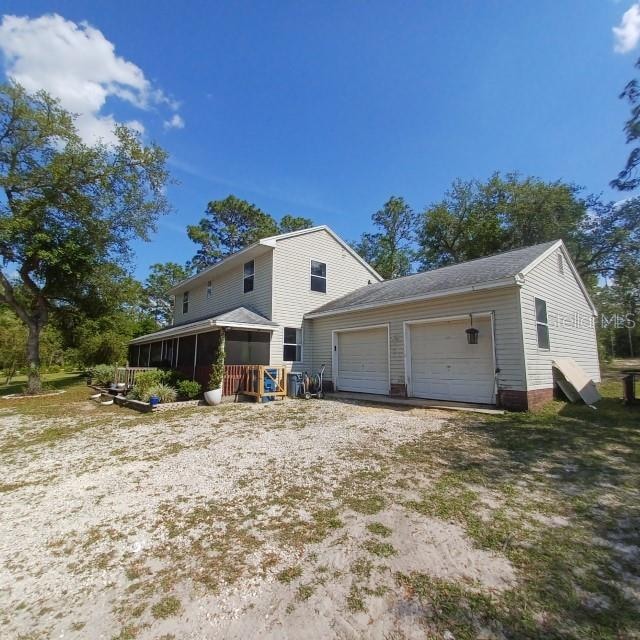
(209,289)
(249,273)
(318,276)
(560,264)
(185,302)
(542,324)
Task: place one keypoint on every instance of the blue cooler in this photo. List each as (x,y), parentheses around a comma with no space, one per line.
(269,384)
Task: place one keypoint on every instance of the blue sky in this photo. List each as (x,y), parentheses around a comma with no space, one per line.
(325,109)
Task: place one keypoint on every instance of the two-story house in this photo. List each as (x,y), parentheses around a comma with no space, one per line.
(486,331)
(260,296)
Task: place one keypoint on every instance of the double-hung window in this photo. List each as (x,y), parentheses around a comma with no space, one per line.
(318,276)
(209,289)
(185,302)
(292,350)
(542,324)
(249,273)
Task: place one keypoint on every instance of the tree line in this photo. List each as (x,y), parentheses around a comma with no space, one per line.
(70,211)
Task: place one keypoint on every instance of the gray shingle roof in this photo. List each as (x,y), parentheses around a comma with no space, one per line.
(243,315)
(481,271)
(239,315)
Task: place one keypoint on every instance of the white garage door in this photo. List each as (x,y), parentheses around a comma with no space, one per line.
(363,361)
(445,367)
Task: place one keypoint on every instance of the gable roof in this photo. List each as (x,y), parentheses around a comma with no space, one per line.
(502,269)
(267,244)
(337,238)
(238,318)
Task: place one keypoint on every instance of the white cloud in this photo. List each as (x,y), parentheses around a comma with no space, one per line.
(78,65)
(627,34)
(175,122)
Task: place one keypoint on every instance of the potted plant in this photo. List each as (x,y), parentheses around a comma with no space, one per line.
(214,395)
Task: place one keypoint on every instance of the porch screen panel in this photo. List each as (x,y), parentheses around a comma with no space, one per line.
(185,355)
(207,346)
(144,355)
(247,347)
(259,347)
(174,353)
(156,354)
(134,351)
(167,356)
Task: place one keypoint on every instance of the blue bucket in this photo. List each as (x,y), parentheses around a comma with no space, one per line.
(154,401)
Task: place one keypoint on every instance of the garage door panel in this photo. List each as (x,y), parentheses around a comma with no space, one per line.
(363,361)
(445,367)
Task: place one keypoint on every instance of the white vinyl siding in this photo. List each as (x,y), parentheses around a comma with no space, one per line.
(570,319)
(227,291)
(363,360)
(507,328)
(292,294)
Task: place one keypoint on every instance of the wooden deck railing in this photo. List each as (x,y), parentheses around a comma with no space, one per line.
(127,375)
(234,378)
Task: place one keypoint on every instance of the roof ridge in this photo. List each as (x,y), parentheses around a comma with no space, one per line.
(457,264)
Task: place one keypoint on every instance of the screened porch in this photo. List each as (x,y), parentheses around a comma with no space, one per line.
(193,354)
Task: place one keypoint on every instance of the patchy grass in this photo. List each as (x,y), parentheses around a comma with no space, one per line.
(166,608)
(51,382)
(565,485)
(556,493)
(380,549)
(289,574)
(305,591)
(355,601)
(378,529)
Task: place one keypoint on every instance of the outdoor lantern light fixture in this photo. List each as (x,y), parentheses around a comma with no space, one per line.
(472,332)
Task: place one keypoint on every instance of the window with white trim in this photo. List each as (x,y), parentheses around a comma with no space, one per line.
(209,289)
(249,273)
(292,349)
(318,276)
(542,324)
(185,302)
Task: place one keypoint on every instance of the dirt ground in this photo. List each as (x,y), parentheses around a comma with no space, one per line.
(289,520)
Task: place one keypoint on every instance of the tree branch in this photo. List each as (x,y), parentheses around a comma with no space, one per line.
(9,298)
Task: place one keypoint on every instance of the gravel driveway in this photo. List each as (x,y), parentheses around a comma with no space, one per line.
(276,521)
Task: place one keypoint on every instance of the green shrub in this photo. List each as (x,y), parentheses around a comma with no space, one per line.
(145,381)
(188,389)
(172,377)
(217,370)
(148,379)
(54,368)
(103,374)
(163,391)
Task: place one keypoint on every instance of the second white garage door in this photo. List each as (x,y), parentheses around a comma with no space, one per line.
(445,367)
(363,360)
